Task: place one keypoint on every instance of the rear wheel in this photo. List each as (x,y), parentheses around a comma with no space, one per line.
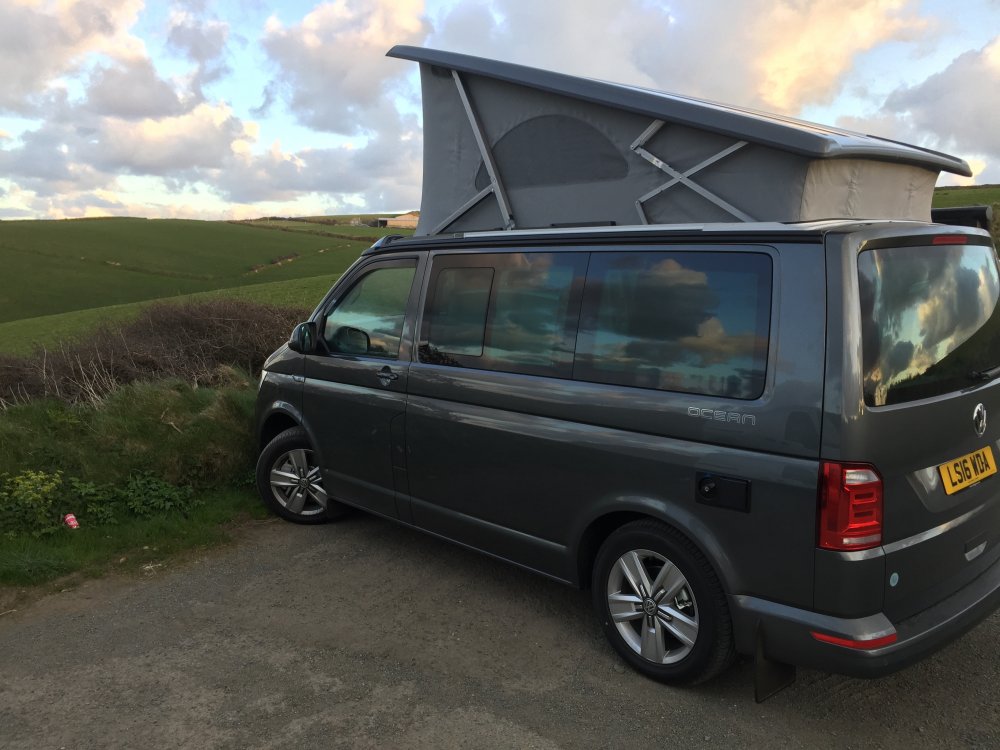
(290,481)
(661,604)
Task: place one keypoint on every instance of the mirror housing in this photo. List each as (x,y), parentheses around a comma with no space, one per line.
(350,340)
(303,339)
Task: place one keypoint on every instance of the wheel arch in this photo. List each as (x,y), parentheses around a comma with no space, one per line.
(279,416)
(608,519)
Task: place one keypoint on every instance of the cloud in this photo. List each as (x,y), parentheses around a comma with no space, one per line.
(40,41)
(132,89)
(955,110)
(958,107)
(921,307)
(203,41)
(381,176)
(102,108)
(793,58)
(205,137)
(775,55)
(44,162)
(331,67)
(716,347)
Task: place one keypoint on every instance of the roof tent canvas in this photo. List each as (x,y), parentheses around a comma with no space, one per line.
(507,146)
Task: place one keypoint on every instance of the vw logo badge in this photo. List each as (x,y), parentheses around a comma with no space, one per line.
(979,419)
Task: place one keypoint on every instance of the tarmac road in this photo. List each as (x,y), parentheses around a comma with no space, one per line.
(365,634)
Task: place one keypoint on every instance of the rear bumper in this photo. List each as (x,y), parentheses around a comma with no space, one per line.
(786,631)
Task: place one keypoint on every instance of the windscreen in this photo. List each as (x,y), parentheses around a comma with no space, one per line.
(929,319)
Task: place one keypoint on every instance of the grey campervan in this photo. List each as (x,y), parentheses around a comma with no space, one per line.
(759,437)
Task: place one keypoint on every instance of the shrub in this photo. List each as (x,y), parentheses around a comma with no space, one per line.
(197,342)
(33,503)
(145,495)
(29,503)
(185,436)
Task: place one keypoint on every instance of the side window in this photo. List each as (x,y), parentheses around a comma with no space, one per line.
(696,322)
(513,312)
(457,319)
(368,319)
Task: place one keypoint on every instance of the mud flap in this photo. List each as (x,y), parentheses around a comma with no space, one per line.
(769,677)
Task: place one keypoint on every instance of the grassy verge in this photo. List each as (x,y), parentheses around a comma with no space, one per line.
(152,470)
(133,545)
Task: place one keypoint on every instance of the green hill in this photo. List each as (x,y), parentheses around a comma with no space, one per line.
(974,195)
(61,266)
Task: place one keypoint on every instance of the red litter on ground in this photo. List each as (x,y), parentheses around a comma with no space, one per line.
(70,520)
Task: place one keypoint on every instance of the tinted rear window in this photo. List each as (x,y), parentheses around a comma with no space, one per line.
(694,322)
(928,319)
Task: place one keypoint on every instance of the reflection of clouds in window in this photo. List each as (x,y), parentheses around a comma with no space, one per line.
(383,330)
(716,346)
(532,299)
(375,305)
(694,322)
(953,307)
(509,312)
(671,273)
(919,305)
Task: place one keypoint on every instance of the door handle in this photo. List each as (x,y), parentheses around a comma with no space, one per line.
(386,376)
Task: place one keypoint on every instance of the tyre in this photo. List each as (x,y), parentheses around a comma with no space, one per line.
(290,482)
(661,605)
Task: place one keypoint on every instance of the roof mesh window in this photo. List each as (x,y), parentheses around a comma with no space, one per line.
(578,153)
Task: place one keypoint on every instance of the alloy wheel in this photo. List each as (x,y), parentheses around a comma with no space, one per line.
(652,606)
(297,484)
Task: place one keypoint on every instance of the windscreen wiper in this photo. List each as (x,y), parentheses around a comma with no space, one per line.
(985,374)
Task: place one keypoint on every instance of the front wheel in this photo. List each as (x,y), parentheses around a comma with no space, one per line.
(661,604)
(290,481)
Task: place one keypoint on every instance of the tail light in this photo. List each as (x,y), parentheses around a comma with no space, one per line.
(850,506)
(949,239)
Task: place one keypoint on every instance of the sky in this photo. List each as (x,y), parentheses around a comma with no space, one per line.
(237,109)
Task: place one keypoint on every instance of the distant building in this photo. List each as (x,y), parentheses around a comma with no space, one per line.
(403,221)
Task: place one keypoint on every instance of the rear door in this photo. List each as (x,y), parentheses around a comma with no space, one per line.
(354,397)
(923,407)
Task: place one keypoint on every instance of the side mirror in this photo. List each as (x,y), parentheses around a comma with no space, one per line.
(303,338)
(348,340)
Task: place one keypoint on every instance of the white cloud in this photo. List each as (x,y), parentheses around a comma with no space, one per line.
(959,106)
(203,41)
(205,137)
(41,41)
(776,55)
(955,110)
(382,175)
(332,69)
(132,89)
(106,114)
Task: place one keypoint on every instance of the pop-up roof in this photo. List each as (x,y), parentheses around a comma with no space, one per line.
(507,146)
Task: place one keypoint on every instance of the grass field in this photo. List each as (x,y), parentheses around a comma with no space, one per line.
(64,277)
(986,195)
(326,229)
(62,266)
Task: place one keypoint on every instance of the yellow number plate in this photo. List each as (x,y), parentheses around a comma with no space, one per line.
(967,469)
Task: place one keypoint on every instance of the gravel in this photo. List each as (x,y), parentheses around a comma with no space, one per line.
(367,634)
